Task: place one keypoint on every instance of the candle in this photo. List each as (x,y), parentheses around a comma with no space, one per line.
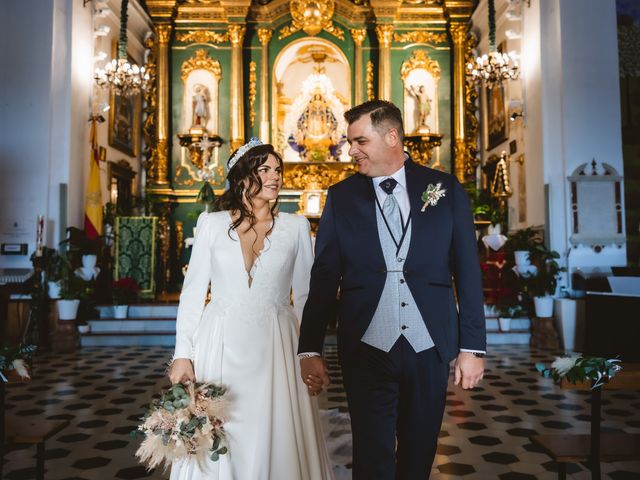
(39,235)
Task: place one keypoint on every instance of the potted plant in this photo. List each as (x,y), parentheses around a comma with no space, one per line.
(123,292)
(74,291)
(520,243)
(542,285)
(508,313)
(88,249)
(12,362)
(53,266)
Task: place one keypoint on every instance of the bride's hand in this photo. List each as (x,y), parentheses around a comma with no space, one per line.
(181,371)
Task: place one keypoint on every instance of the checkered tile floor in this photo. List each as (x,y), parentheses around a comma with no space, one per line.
(485,434)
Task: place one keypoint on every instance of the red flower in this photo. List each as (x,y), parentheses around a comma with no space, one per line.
(127,284)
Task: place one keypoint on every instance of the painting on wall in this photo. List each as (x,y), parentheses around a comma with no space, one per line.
(496,116)
(496,119)
(124,119)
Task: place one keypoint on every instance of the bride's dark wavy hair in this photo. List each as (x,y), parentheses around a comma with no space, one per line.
(246,168)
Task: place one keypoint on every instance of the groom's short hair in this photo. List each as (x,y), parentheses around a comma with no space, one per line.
(381,113)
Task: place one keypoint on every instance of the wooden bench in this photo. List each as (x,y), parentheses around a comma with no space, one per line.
(594,447)
(21,430)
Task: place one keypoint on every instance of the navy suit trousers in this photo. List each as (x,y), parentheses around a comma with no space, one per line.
(400,397)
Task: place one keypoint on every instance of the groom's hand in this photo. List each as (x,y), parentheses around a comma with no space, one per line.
(468,370)
(314,374)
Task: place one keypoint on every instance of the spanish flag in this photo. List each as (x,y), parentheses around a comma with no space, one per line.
(93,200)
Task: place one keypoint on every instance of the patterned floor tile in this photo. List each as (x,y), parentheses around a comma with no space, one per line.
(485,434)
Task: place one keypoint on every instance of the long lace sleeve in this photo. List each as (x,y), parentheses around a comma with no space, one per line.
(302,267)
(194,289)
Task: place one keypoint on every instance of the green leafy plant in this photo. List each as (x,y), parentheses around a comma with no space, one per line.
(484,206)
(75,288)
(576,368)
(52,264)
(13,357)
(523,239)
(78,243)
(544,282)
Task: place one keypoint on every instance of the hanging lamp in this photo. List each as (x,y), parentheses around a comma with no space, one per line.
(495,67)
(120,76)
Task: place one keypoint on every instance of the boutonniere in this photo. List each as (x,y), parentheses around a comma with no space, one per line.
(432,195)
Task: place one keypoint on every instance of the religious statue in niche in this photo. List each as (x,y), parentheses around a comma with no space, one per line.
(316,137)
(200,105)
(423,107)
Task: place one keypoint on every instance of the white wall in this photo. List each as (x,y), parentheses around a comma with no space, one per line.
(45,102)
(25,92)
(570,88)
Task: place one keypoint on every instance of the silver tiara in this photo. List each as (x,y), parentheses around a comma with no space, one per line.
(253,142)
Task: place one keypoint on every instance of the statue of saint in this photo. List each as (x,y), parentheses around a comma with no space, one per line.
(200,105)
(423,102)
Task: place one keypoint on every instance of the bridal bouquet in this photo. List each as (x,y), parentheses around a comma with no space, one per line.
(187,421)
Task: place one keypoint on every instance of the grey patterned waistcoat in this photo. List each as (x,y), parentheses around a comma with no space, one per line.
(397,313)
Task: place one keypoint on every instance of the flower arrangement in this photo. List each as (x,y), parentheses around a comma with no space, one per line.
(13,358)
(124,291)
(186,421)
(576,368)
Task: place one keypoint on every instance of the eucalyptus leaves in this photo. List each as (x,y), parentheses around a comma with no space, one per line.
(187,420)
(576,368)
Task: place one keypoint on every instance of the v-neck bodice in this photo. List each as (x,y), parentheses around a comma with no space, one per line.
(266,245)
(217,254)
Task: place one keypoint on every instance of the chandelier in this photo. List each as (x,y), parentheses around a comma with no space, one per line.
(120,76)
(495,67)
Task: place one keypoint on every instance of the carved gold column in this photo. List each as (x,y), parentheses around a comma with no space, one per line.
(236,35)
(358,35)
(384,33)
(264,34)
(459,36)
(163,33)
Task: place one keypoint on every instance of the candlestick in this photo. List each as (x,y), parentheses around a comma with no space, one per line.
(39,235)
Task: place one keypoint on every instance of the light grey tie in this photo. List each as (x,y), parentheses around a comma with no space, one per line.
(391,209)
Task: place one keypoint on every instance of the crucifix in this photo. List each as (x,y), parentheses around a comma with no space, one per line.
(205,145)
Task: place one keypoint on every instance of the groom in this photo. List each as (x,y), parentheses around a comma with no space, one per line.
(390,239)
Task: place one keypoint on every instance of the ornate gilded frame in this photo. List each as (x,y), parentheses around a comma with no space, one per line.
(134,115)
(420,60)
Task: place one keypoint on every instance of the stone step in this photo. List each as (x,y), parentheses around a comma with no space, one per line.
(513,337)
(148,325)
(128,339)
(522,323)
(143,311)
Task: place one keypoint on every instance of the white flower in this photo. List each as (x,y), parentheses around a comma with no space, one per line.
(20,368)
(431,196)
(563,364)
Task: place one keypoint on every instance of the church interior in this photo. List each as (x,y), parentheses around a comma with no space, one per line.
(533,105)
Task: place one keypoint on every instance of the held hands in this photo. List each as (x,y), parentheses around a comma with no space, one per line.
(468,370)
(181,371)
(314,374)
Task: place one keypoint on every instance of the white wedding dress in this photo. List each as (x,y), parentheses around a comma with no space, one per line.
(246,339)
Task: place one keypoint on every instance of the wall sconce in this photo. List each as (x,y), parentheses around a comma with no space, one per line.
(102,12)
(101,30)
(515,115)
(512,34)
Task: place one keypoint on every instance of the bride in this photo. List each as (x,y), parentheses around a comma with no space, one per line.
(246,337)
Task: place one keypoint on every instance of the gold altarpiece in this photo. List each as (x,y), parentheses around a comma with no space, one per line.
(286,72)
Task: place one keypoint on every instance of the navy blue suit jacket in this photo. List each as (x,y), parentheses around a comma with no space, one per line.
(348,255)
